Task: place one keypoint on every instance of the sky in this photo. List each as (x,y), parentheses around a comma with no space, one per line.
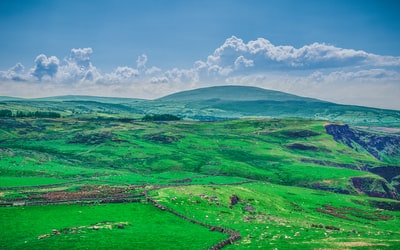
(345,51)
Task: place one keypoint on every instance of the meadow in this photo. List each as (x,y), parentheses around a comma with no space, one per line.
(87,182)
(117,226)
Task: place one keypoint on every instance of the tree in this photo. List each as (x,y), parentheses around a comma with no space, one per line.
(6,113)
(160,117)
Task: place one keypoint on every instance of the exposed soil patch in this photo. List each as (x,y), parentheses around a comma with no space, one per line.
(234,199)
(348,213)
(301,146)
(87,192)
(387,205)
(328,227)
(374,187)
(327,186)
(331,164)
(358,244)
(162,138)
(185,180)
(91,139)
(300,133)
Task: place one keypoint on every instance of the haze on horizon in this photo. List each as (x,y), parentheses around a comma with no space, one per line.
(340,51)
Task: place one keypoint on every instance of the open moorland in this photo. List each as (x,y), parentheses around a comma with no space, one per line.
(84,173)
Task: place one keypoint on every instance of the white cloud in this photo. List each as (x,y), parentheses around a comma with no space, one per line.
(361,76)
(241,61)
(162,79)
(45,67)
(375,87)
(262,55)
(16,73)
(119,75)
(81,57)
(78,67)
(152,70)
(187,76)
(316,70)
(141,62)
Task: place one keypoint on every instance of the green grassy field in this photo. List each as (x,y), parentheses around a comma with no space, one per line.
(269,215)
(277,168)
(116,226)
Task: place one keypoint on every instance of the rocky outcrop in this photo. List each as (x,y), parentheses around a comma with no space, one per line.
(388,172)
(374,187)
(376,144)
(382,147)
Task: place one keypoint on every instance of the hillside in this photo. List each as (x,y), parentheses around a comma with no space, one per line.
(275,150)
(248,183)
(231,102)
(9,98)
(101,99)
(234,93)
(209,104)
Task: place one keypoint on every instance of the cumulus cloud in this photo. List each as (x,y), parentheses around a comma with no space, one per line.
(317,70)
(79,67)
(262,55)
(121,74)
(141,62)
(241,61)
(152,70)
(18,68)
(187,76)
(45,67)
(81,57)
(16,73)
(162,79)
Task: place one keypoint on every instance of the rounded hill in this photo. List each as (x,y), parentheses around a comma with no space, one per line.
(234,93)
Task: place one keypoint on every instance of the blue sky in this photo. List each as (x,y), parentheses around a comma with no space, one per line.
(151,48)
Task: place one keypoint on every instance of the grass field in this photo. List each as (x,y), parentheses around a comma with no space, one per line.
(277,168)
(116,226)
(270,215)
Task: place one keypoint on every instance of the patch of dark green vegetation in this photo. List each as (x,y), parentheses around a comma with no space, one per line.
(160,117)
(162,138)
(301,146)
(91,139)
(4,113)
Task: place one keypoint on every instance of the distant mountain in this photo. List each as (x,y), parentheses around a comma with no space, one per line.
(9,98)
(115,100)
(213,103)
(230,102)
(234,93)
(73,105)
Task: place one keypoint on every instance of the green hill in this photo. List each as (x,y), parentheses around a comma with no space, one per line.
(245,168)
(230,102)
(234,93)
(208,104)
(114,100)
(9,98)
(84,181)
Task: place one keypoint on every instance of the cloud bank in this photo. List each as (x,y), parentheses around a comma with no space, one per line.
(317,70)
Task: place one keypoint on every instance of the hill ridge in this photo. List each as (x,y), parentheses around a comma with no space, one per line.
(234,93)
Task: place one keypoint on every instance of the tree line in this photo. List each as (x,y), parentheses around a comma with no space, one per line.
(37,114)
(160,117)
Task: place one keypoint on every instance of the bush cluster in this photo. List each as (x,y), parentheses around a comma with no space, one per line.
(38,114)
(160,117)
